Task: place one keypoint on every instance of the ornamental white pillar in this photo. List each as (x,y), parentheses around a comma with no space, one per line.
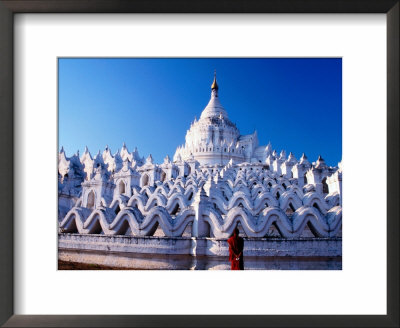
(200,228)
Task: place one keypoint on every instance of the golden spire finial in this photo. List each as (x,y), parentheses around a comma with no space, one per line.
(214,85)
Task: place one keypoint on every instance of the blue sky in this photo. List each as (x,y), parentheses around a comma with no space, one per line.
(296,104)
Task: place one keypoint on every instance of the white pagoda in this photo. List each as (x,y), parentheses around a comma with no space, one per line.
(217,180)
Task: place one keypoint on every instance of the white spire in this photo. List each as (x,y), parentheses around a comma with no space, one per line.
(291,158)
(303,159)
(214,107)
(149,159)
(320,163)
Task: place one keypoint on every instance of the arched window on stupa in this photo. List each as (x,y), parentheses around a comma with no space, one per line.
(163,176)
(325,188)
(145,180)
(90,200)
(121,187)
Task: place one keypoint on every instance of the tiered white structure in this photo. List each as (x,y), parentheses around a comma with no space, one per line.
(217,180)
(214,139)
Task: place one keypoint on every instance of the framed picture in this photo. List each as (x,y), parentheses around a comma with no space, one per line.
(27,255)
(191,198)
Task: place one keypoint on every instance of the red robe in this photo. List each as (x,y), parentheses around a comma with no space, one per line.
(236,244)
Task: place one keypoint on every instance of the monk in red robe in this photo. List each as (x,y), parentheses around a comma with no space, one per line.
(236,245)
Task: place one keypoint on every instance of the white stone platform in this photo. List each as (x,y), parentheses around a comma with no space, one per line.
(200,253)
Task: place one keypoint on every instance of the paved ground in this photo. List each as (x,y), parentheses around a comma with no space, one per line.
(63,265)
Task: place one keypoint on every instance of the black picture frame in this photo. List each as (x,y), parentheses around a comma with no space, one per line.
(10,7)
